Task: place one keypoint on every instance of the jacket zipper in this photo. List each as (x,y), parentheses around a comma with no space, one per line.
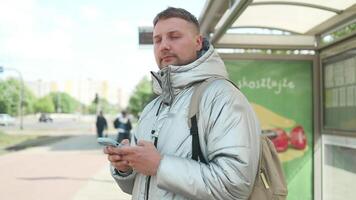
(148,181)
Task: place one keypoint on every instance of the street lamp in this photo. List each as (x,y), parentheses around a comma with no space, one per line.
(2,69)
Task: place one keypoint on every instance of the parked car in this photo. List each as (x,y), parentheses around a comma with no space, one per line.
(44,117)
(6,120)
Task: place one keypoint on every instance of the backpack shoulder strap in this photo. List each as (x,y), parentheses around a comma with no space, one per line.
(195,99)
(193,116)
(197,95)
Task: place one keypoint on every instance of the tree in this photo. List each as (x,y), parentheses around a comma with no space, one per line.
(64,103)
(105,106)
(10,97)
(141,96)
(44,105)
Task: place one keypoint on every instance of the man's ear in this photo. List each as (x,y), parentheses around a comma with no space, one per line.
(199,42)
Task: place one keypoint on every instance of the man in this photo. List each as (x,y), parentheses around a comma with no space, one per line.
(159,166)
(101,124)
(123,124)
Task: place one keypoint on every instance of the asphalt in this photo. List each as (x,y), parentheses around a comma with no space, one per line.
(74,168)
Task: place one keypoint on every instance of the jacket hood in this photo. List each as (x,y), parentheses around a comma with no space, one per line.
(169,81)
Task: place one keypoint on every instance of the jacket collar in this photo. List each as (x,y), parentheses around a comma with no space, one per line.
(169,81)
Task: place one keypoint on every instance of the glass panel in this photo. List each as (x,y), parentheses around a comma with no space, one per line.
(339,170)
(340,91)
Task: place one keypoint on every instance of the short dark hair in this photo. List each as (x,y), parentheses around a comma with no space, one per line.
(171,12)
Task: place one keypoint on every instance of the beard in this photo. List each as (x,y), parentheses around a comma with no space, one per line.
(174,60)
(168,59)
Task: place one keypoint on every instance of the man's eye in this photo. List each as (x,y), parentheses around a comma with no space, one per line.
(157,41)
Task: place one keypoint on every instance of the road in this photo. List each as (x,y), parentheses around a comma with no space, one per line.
(71,169)
(63,124)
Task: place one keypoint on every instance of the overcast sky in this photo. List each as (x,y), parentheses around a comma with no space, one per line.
(55,40)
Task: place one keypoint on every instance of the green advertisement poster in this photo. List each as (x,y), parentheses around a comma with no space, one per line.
(281,95)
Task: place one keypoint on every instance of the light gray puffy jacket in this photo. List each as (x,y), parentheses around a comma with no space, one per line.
(228,133)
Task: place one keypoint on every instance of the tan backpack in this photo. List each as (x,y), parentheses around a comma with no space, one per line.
(270,182)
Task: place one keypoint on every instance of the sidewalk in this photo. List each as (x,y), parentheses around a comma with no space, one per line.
(102,187)
(72,169)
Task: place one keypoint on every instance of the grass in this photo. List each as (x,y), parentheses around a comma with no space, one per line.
(7,140)
(16,142)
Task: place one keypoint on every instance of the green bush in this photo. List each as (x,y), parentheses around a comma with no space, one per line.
(10,97)
(141,97)
(44,105)
(64,103)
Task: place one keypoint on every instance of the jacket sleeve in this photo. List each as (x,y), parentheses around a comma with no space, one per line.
(228,133)
(125,181)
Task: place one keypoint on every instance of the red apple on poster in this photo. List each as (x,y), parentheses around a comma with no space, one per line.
(298,139)
(280,140)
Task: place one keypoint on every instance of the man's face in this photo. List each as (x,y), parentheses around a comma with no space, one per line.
(176,42)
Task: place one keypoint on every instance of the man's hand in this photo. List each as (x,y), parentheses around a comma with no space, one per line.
(115,157)
(144,157)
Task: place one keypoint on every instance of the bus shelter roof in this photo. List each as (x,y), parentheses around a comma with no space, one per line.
(290,24)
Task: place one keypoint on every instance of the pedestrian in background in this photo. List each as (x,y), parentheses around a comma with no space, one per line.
(101,124)
(123,125)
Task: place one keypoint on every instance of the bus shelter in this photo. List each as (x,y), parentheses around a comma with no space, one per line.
(295,60)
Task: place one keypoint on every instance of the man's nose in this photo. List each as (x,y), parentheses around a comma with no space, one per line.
(165,45)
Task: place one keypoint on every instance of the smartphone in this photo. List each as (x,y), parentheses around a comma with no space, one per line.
(108,142)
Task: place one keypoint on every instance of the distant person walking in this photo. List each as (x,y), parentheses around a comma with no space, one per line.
(123,124)
(101,124)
